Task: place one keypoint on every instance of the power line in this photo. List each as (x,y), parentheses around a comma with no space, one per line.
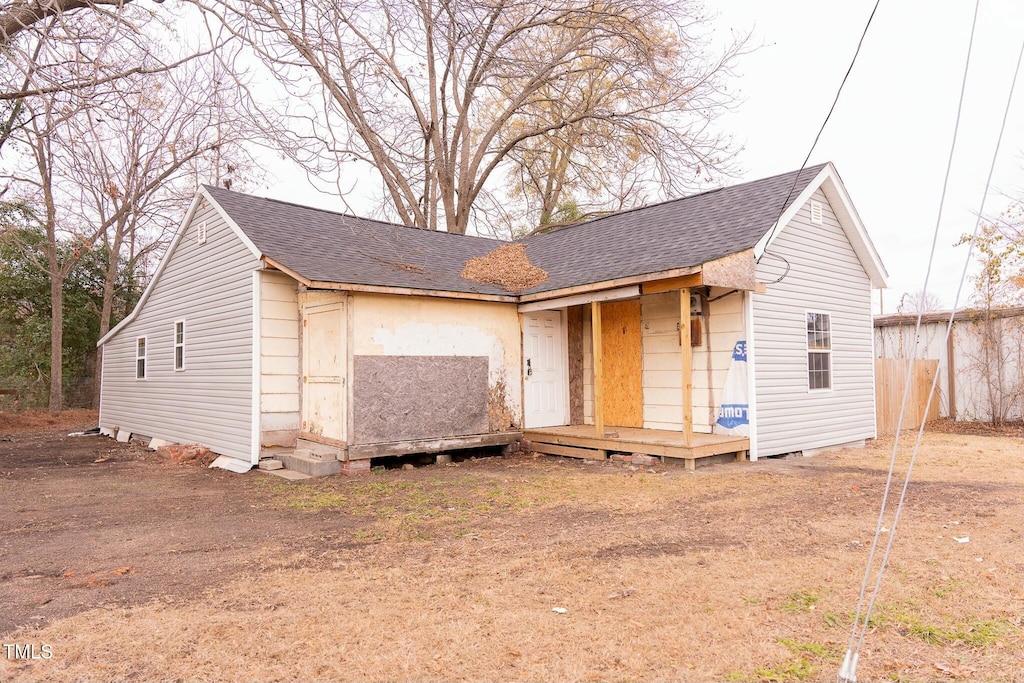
(848,671)
(835,101)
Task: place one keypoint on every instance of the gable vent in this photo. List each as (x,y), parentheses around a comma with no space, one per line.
(201,233)
(816,212)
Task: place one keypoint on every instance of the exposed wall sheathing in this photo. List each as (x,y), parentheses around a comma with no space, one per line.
(623,363)
(391,325)
(575,335)
(406,398)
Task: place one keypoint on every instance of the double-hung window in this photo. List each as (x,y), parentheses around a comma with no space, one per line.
(179,345)
(819,351)
(140,358)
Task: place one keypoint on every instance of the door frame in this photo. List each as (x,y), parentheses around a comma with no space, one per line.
(316,302)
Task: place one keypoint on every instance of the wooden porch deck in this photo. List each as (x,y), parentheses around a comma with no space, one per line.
(580,441)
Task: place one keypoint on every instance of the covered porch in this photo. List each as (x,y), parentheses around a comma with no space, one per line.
(631,357)
(580,441)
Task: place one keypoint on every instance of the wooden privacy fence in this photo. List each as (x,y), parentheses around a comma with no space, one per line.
(890,376)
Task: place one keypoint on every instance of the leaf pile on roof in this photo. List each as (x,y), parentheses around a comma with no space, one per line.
(508,267)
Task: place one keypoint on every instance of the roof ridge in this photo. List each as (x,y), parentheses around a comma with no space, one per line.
(342,214)
(815,167)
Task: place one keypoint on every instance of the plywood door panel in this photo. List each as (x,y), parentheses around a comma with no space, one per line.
(544,369)
(623,363)
(324,360)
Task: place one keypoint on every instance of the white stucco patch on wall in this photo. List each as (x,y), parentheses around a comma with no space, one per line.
(426,339)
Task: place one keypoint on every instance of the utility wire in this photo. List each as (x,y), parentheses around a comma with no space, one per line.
(848,672)
(949,325)
(835,101)
(849,668)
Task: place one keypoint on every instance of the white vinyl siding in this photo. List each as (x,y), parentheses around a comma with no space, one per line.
(824,275)
(210,286)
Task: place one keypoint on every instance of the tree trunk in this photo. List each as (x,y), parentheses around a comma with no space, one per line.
(56,333)
(107,307)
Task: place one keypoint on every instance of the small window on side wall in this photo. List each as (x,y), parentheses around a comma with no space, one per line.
(140,358)
(179,345)
(819,351)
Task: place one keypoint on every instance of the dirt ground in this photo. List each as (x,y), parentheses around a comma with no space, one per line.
(128,568)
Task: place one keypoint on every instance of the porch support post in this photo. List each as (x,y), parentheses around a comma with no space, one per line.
(687,359)
(595,337)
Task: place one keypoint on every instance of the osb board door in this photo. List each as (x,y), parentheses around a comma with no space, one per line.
(623,363)
(324,369)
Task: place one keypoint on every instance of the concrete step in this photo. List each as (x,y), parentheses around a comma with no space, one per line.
(318,450)
(270,464)
(302,461)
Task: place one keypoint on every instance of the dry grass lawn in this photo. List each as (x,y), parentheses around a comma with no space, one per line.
(738,572)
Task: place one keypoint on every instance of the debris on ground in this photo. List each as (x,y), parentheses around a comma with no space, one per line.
(947,426)
(186,454)
(508,267)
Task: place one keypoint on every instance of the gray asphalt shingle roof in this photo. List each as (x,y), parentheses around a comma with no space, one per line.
(331,247)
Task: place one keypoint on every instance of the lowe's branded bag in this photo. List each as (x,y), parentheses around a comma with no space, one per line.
(732,414)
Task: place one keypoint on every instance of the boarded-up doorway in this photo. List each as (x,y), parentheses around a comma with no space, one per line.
(623,363)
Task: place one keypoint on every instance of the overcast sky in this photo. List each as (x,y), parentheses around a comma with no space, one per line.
(890,135)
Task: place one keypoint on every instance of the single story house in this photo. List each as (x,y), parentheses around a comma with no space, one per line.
(732,321)
(980,365)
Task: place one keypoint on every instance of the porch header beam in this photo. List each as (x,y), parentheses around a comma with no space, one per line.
(579,299)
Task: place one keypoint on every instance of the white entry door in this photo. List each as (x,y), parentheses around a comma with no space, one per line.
(543,369)
(324,364)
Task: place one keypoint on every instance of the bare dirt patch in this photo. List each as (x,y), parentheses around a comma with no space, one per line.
(744,571)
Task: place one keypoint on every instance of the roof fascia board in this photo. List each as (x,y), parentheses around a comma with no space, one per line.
(578,299)
(862,243)
(832,185)
(375,289)
(790,212)
(193,207)
(409,291)
(232,224)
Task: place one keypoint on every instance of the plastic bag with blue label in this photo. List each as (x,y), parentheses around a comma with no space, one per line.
(732,414)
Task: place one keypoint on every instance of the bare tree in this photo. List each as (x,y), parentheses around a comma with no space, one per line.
(438,95)
(919,301)
(994,354)
(104,163)
(662,143)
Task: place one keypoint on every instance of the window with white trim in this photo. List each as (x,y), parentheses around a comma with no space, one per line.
(140,358)
(179,345)
(819,351)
